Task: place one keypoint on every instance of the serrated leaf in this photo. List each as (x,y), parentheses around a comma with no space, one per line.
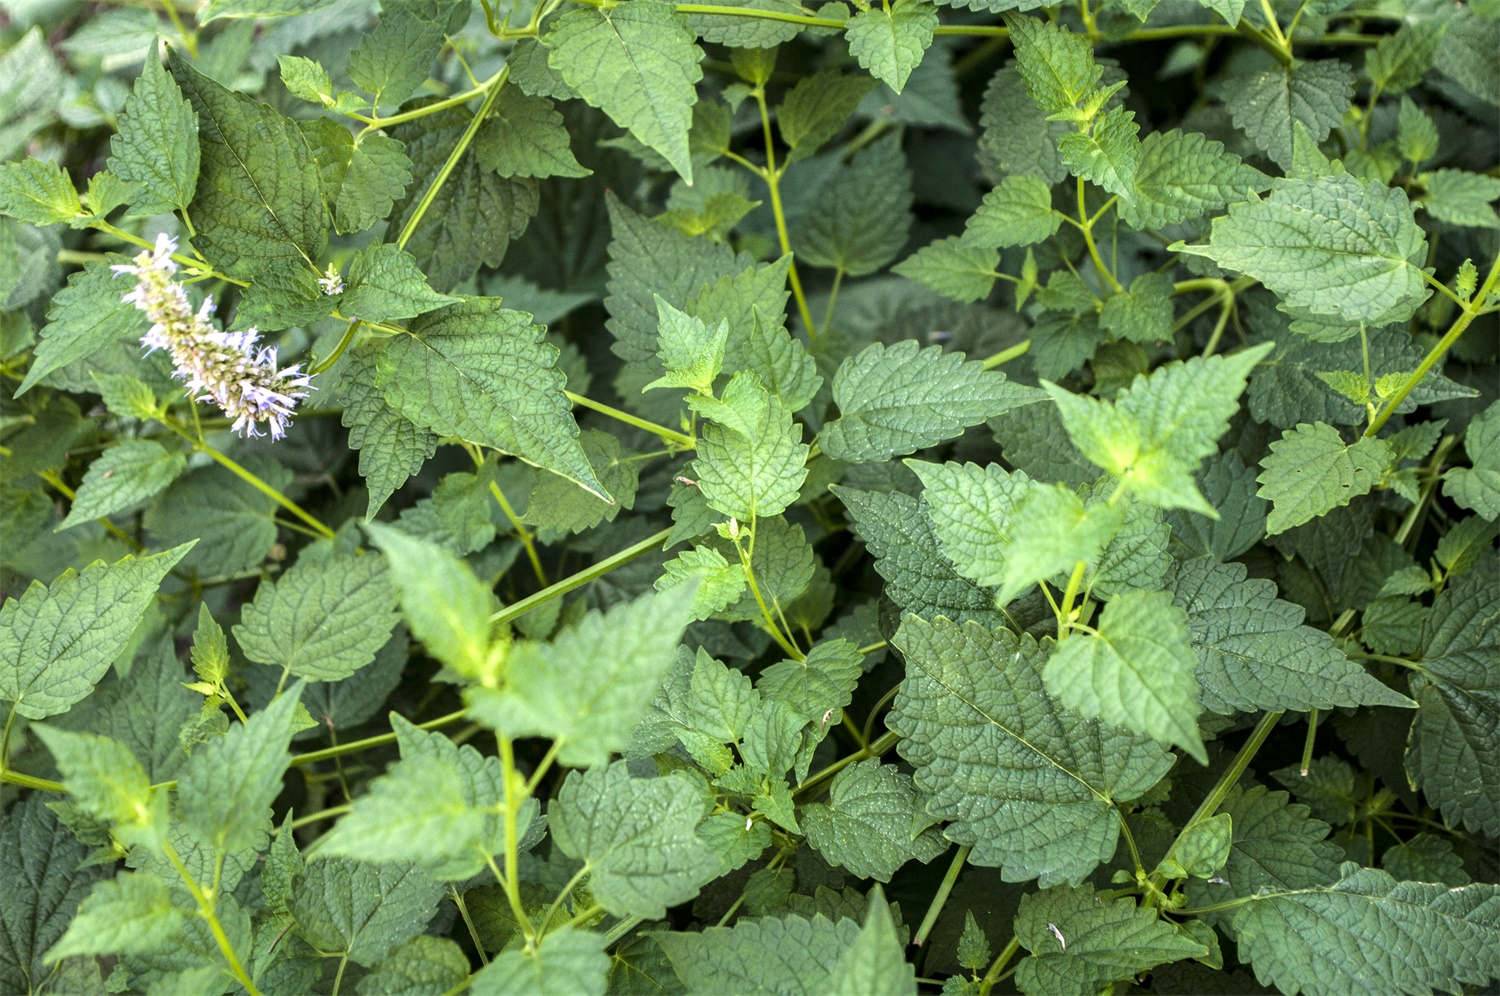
(323,619)
(57,640)
(1276,846)
(816,107)
(1459,197)
(1006,531)
(38,192)
(1311,470)
(639,64)
(83,318)
(691,351)
(898,532)
(891,39)
(1017,212)
(1057,64)
(872,823)
(362,180)
(1268,105)
(1427,857)
(875,964)
(1027,784)
(1182,176)
(526,136)
(122,477)
(590,686)
(393,58)
(128,914)
(1400,60)
(423,964)
(751,461)
(1079,942)
(445,605)
(258,207)
(156,144)
(895,400)
(1478,486)
(955,269)
(787,953)
(487,374)
(1107,154)
(1254,653)
(567,962)
(384,285)
(718,583)
(1137,670)
(105,780)
(363,910)
(232,523)
(225,791)
(636,835)
(861,223)
(1415,937)
(819,684)
(392,447)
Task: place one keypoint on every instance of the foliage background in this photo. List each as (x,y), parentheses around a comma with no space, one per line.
(982,496)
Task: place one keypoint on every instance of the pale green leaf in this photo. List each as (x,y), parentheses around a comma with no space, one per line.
(38,192)
(83,318)
(1057,64)
(954,268)
(1310,471)
(1182,176)
(751,461)
(363,910)
(1017,212)
(1106,155)
(568,962)
(445,605)
(873,822)
(156,144)
(362,180)
(384,285)
(875,964)
(1478,486)
(526,136)
(891,39)
(102,778)
(691,351)
(1268,105)
(786,954)
(717,583)
(128,914)
(121,478)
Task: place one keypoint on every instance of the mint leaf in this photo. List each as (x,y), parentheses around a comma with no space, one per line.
(44,865)
(156,146)
(751,460)
(122,477)
(1478,487)
(362,910)
(568,960)
(1018,212)
(875,964)
(444,604)
(392,447)
(57,640)
(872,823)
(1310,471)
(816,107)
(890,40)
(1024,782)
(637,63)
(38,192)
(384,285)
(525,136)
(1057,64)
(1268,105)
(953,268)
(787,953)
(1182,176)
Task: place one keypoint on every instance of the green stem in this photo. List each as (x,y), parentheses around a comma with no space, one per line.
(207,912)
(522,533)
(354,746)
(1001,960)
(940,898)
(1232,774)
(778,214)
(1309,743)
(513,800)
(1006,355)
(876,749)
(432,108)
(492,93)
(670,436)
(1084,226)
(764,15)
(1437,352)
(1070,595)
(324,814)
(582,578)
(463,913)
(347,339)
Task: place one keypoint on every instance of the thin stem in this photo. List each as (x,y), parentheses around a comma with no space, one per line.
(432,108)
(567,890)
(940,898)
(1105,273)
(323,814)
(771,627)
(778,213)
(764,15)
(513,801)
(833,296)
(338,976)
(1135,852)
(1001,960)
(206,911)
(343,344)
(463,913)
(876,749)
(522,533)
(1006,355)
(492,94)
(1437,352)
(1070,595)
(543,766)
(582,578)
(1309,743)
(669,436)
(354,746)
(1232,774)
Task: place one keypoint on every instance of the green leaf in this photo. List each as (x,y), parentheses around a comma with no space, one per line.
(1155,433)
(156,144)
(323,619)
(718,583)
(363,910)
(1107,154)
(83,318)
(232,523)
(384,285)
(895,400)
(1332,245)
(305,79)
(703,705)
(122,477)
(1400,60)
(898,533)
(1461,198)
(875,964)
(57,640)
(1057,64)
(1416,133)
(445,605)
(217,9)
(1141,314)
(487,374)
(1427,857)
(1268,105)
(1024,782)
(44,867)
(973,944)
(1478,487)
(558,507)
(1006,531)
(526,136)
(636,836)
(1079,942)
(818,685)
(1136,671)
(258,207)
(1413,936)
(391,447)
(590,686)
(105,780)
(691,352)
(38,192)
(423,964)
(1311,470)
(1181,176)
(1017,212)
(872,823)
(1276,845)
(890,40)
(1201,849)
(1453,744)
(362,180)
(751,460)
(953,268)
(816,107)
(860,223)
(394,58)
(225,792)
(568,962)
(637,63)
(1255,654)
(787,953)
(128,914)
